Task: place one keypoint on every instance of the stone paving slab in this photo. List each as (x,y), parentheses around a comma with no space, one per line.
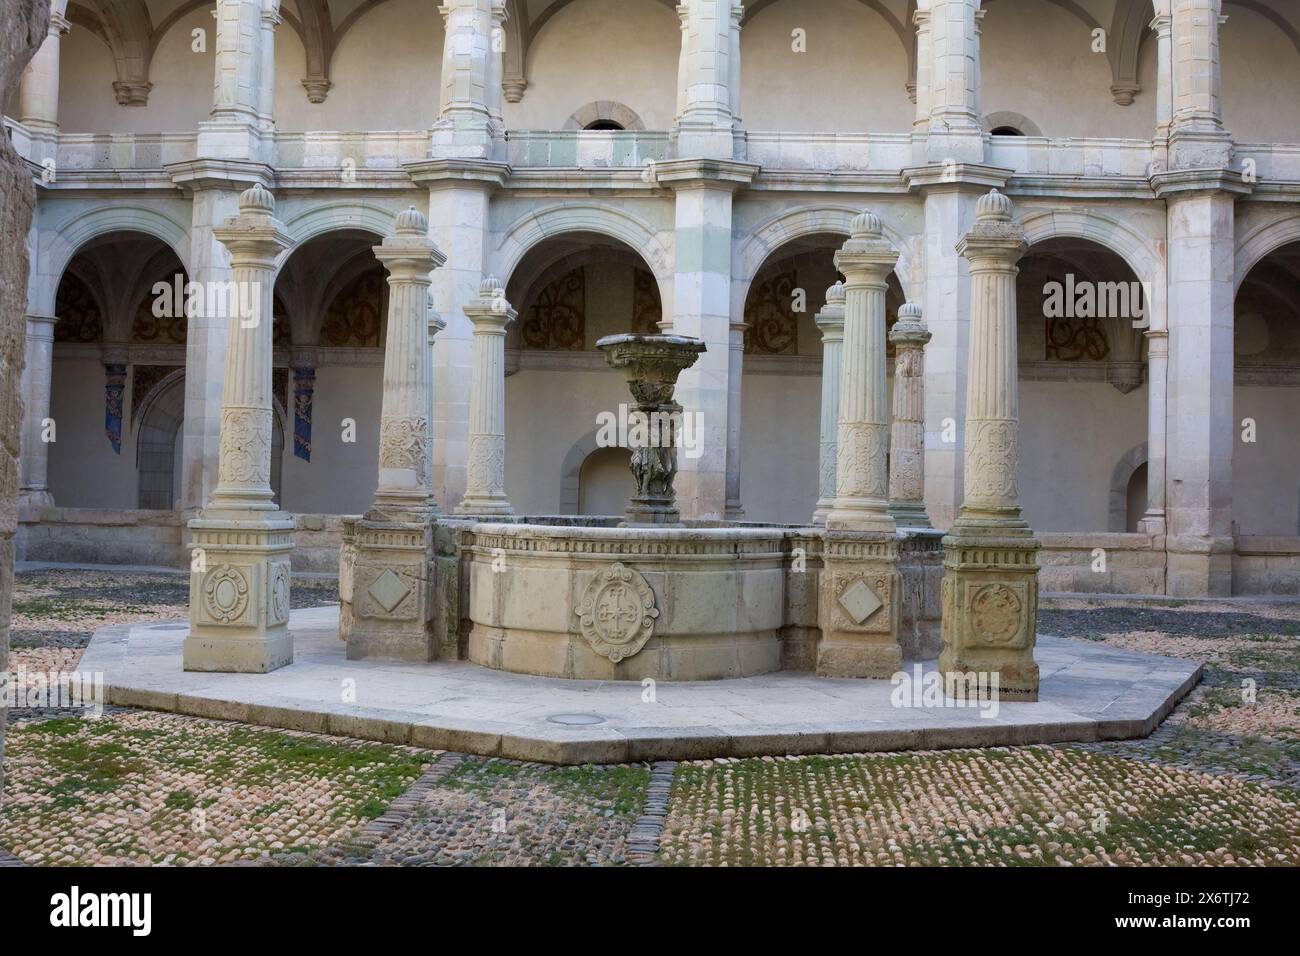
(1088,692)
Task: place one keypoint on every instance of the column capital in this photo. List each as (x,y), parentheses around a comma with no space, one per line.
(407,252)
(59,25)
(36,320)
(867,255)
(831,318)
(489,311)
(996,239)
(255,237)
(909,331)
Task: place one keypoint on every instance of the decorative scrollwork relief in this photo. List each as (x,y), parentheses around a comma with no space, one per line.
(617,612)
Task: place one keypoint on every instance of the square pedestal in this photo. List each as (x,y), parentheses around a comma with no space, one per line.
(990,612)
(391,589)
(858,607)
(239,595)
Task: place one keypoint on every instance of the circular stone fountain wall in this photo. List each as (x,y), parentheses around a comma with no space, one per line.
(626,603)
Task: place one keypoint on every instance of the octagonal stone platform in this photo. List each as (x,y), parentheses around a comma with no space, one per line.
(1088,692)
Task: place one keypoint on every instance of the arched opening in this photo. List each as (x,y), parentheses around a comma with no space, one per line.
(570,291)
(1082,375)
(605,482)
(1136,498)
(1266,396)
(603,125)
(121,327)
(333,293)
(1007,131)
(781,383)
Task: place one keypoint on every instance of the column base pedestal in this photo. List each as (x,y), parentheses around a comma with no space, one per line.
(1198,565)
(990,609)
(389,589)
(487,506)
(858,605)
(239,594)
(910,514)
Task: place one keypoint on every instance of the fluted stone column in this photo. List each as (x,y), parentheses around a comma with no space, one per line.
(862,436)
(409,256)
(33,487)
(485,493)
(1153,522)
(239,581)
(266,67)
(907,434)
(990,584)
(387,558)
(831,322)
(38,94)
(860,586)
(465,127)
(706,121)
(735,510)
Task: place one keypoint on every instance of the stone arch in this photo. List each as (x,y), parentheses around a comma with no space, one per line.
(768,237)
(157,426)
(1260,242)
(607,110)
(59,244)
(319,219)
(1120,238)
(571,471)
(1015,120)
(539,225)
(1120,476)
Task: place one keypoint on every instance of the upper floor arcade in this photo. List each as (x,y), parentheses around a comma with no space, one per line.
(1049,88)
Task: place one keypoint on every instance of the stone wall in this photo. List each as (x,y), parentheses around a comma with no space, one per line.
(1134,563)
(25,25)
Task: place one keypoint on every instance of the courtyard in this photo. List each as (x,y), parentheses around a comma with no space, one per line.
(1217,784)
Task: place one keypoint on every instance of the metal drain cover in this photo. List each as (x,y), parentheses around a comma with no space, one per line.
(576,719)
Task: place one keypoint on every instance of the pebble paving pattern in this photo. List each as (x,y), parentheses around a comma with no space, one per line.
(1217,784)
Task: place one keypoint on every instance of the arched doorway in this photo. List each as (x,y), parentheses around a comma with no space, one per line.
(781,390)
(570,291)
(332,293)
(1266,397)
(1082,375)
(605,482)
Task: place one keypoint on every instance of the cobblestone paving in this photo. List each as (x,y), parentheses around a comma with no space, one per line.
(1219,783)
(150,788)
(493,812)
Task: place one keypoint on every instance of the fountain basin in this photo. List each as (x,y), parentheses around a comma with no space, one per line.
(607,603)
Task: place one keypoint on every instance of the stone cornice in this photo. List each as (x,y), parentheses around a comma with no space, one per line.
(964,177)
(704,173)
(196,174)
(1189,181)
(435,173)
(821,181)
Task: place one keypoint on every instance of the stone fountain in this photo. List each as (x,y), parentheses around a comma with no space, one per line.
(652,364)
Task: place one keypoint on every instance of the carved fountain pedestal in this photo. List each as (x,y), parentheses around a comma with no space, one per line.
(652,364)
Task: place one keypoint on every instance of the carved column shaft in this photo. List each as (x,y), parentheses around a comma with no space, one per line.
(990,584)
(486,488)
(831,322)
(409,256)
(266,68)
(38,94)
(1153,522)
(735,377)
(254,239)
(36,381)
(907,434)
(862,438)
(240,574)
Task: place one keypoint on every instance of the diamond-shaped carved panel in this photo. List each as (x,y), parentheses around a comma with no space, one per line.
(860,601)
(388,590)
